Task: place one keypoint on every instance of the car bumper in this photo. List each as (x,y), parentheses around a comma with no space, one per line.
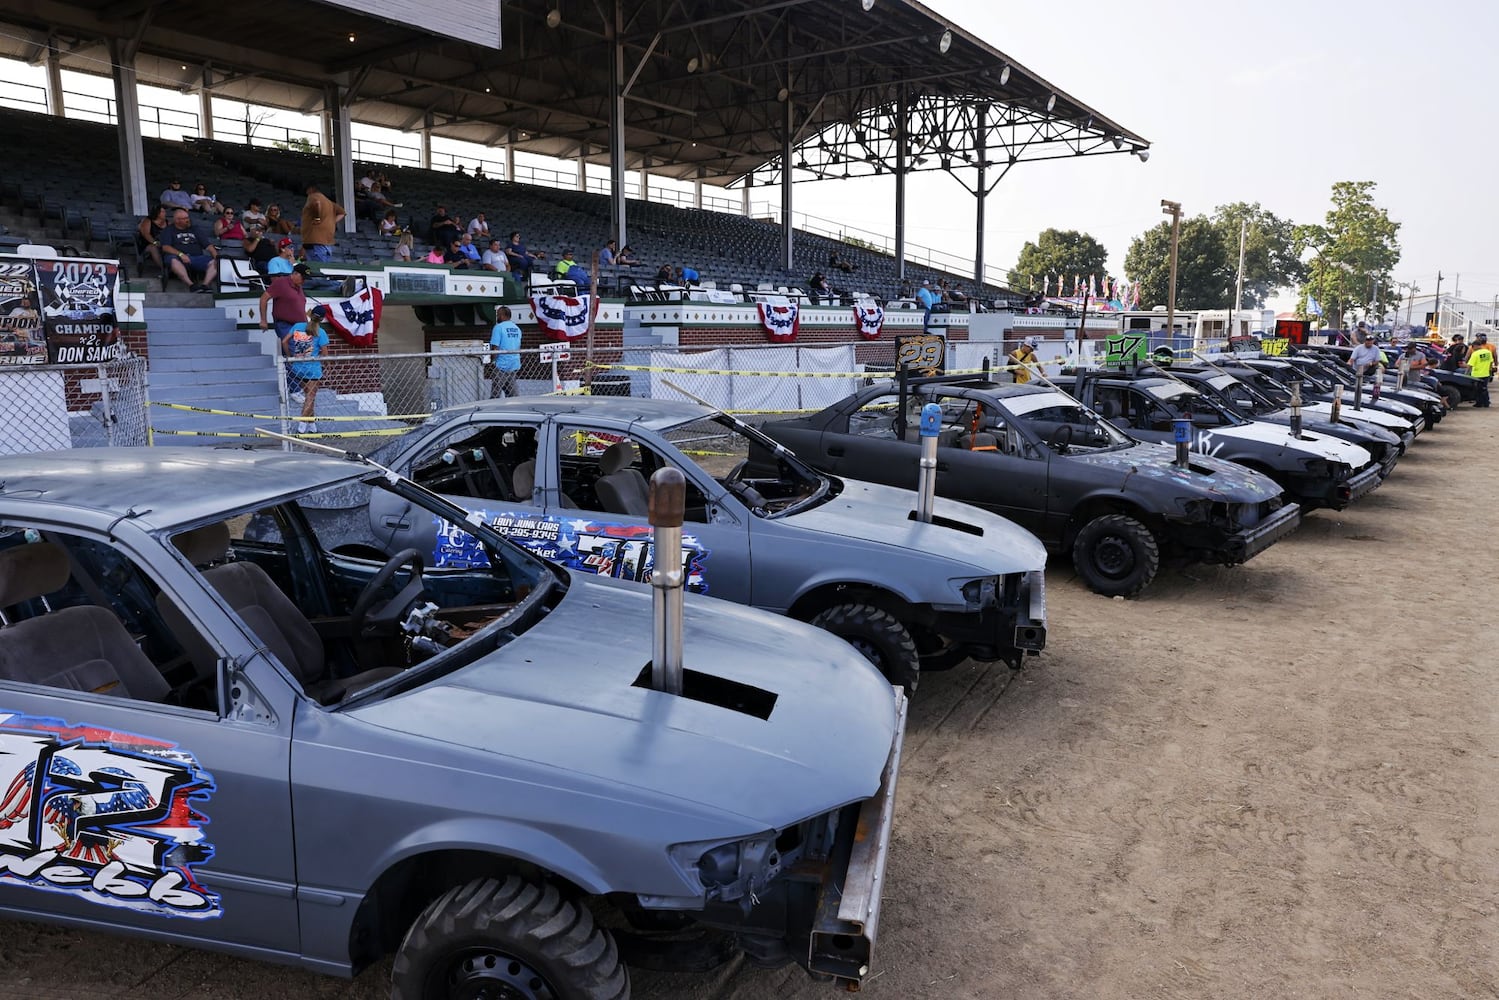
(847,918)
(1013,626)
(1359,484)
(1241,546)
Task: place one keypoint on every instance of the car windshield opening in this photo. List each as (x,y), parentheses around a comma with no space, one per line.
(765,476)
(1063,424)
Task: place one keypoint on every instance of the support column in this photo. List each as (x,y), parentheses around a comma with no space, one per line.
(788,127)
(645,179)
(981,146)
(744,199)
(902,152)
(583,166)
(426,135)
(205,105)
(336,110)
(128,116)
(54,80)
(509,148)
(697,193)
(617,199)
(325,120)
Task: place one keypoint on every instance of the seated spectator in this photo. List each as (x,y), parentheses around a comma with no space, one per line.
(480,175)
(687,275)
(403,248)
(275,225)
(665,275)
(175,197)
(442,229)
(479,229)
(205,202)
(818,287)
(493,259)
(227,227)
(148,235)
(564,264)
(194,264)
(260,250)
(435,255)
(606,255)
(460,171)
(466,246)
(627,257)
(455,257)
(836,262)
(285,260)
(252,215)
(520,258)
(388,225)
(579,277)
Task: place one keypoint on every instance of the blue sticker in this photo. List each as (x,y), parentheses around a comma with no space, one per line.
(106,816)
(621,551)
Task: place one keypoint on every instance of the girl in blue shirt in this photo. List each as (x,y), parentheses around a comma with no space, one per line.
(304,344)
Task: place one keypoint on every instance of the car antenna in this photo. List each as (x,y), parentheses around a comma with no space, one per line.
(352,456)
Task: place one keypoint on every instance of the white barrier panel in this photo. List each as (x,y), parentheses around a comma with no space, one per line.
(764,392)
(716,391)
(817,393)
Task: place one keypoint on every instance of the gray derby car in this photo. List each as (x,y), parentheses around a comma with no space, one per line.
(272,749)
(566,478)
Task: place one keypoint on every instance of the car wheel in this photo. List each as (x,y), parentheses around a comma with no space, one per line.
(1453,395)
(1116,555)
(880,636)
(507,938)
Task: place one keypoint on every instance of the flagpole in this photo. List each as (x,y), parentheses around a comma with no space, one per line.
(1239,284)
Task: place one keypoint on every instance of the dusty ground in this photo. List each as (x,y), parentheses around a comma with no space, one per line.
(1280,780)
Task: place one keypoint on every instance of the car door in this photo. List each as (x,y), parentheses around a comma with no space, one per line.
(595,536)
(864,444)
(139,814)
(1008,477)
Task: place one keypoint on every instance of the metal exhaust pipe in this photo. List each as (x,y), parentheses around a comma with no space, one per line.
(926,487)
(1337,402)
(1296,408)
(668,501)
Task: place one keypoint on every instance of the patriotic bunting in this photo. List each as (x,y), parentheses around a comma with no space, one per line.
(356,318)
(781,322)
(562,316)
(869,321)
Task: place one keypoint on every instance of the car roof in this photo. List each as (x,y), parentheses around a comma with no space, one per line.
(173,485)
(655,414)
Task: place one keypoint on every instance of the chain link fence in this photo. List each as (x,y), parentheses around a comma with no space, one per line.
(50,407)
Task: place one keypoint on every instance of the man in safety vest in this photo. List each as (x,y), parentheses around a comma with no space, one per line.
(1022,358)
(1481,366)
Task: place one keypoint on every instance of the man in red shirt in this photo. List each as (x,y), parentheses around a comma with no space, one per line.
(287,300)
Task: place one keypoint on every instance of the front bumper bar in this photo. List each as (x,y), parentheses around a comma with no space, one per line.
(1245,545)
(1360,484)
(847,918)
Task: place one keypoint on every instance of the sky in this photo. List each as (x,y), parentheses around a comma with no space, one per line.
(1270,102)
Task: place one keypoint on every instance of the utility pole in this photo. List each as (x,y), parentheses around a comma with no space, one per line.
(1233,317)
(1173,209)
(1436,305)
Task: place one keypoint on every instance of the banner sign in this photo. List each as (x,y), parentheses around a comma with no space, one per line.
(58,311)
(869,321)
(781,322)
(357,318)
(1125,349)
(923,353)
(563,316)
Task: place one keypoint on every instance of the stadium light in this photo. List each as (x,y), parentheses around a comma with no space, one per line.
(945,42)
(782,95)
(554,17)
(1143,153)
(1004,75)
(1118,142)
(868,5)
(1051,102)
(693,64)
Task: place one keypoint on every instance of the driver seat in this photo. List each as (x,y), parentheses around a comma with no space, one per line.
(621,487)
(271,615)
(1109,409)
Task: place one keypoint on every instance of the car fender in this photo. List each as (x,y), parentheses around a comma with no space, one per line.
(893,584)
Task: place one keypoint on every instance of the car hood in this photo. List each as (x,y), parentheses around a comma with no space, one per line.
(873,514)
(563,695)
(1378,418)
(1317,420)
(1311,445)
(1211,478)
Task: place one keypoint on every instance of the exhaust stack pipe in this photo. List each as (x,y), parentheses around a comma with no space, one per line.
(1296,408)
(1337,402)
(668,501)
(926,487)
(1181,433)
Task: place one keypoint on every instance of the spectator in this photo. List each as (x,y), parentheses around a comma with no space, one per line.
(252,215)
(227,227)
(687,275)
(287,299)
(319,217)
(580,278)
(906,291)
(148,235)
(664,275)
(564,264)
(520,258)
(606,255)
(836,262)
(478,229)
(284,262)
(260,250)
(505,339)
(957,296)
(1481,367)
(388,225)
(205,202)
(304,343)
(627,257)
(1023,358)
(435,255)
(466,245)
(188,258)
(404,246)
(442,230)
(460,171)
(929,301)
(494,258)
(455,257)
(818,287)
(1412,363)
(275,225)
(480,175)
(1457,354)
(174,197)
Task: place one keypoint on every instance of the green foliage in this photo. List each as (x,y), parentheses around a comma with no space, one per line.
(1204,275)
(1058,253)
(1271,261)
(299,143)
(1354,251)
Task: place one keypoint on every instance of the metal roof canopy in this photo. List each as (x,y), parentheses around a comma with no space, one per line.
(721,91)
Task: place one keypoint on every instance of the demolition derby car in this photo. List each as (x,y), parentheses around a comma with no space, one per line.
(566,478)
(272,749)
(1034,454)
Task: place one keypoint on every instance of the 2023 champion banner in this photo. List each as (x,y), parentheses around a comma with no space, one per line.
(58,311)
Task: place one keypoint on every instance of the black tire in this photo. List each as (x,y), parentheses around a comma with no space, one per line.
(1453,395)
(1116,555)
(513,937)
(880,636)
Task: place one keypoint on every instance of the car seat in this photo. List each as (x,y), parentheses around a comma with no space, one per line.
(1109,409)
(621,487)
(271,615)
(523,482)
(80,648)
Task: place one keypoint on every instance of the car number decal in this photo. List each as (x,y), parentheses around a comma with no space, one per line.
(106,816)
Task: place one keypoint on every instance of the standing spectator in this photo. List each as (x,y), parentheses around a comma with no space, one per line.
(1457,354)
(520,258)
(287,300)
(403,248)
(494,258)
(275,224)
(388,225)
(252,215)
(1412,363)
(1023,357)
(319,217)
(1481,367)
(148,235)
(188,258)
(227,227)
(1367,358)
(203,201)
(466,245)
(285,258)
(505,339)
(260,250)
(304,343)
(478,228)
(174,197)
(929,300)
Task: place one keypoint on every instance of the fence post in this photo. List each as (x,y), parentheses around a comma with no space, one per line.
(283,397)
(106,403)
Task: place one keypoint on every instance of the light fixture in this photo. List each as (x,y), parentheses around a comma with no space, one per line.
(782,95)
(868,5)
(1118,142)
(1142,153)
(1004,75)
(693,64)
(945,42)
(1051,102)
(351,36)
(1089,122)
(486,90)
(554,17)
(184,67)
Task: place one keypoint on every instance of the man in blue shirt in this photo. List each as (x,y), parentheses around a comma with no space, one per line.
(505,339)
(466,245)
(928,299)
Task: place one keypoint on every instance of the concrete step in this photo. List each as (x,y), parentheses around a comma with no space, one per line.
(210,363)
(195,338)
(211,322)
(240,381)
(207,352)
(176,298)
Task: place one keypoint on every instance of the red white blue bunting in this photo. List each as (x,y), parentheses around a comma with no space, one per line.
(563,316)
(869,321)
(357,318)
(781,322)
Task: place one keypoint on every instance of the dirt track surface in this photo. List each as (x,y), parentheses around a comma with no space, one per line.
(1279,780)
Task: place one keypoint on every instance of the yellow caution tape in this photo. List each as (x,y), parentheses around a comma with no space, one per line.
(798,374)
(272,416)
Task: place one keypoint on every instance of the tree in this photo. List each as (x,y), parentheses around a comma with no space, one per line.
(1058,252)
(1354,252)
(1271,259)
(1204,278)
